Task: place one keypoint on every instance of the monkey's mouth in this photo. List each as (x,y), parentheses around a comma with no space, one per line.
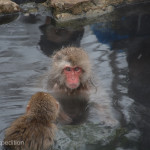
(72,86)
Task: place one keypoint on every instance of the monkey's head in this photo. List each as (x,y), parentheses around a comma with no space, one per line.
(43,106)
(71,69)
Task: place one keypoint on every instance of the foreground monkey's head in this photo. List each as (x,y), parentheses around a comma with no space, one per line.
(71,69)
(34,130)
(43,106)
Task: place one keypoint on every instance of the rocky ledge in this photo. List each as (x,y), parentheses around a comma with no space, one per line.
(8,7)
(66,10)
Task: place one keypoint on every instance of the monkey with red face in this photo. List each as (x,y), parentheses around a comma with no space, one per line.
(70,80)
(71,71)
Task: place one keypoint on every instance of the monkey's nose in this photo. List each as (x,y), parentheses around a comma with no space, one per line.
(73,78)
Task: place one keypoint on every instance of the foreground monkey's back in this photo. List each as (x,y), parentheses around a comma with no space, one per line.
(28,134)
(34,130)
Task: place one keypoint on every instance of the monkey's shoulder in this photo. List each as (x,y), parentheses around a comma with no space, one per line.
(31,133)
(25,125)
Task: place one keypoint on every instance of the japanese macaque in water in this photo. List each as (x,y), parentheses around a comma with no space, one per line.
(70,79)
(34,130)
(71,71)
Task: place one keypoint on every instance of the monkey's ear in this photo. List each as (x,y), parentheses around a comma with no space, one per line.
(28,108)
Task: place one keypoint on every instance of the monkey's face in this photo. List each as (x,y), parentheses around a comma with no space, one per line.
(72,76)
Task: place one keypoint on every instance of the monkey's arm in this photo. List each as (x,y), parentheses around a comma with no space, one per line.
(63,117)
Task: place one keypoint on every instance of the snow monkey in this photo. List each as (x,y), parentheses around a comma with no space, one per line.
(34,130)
(71,83)
(70,80)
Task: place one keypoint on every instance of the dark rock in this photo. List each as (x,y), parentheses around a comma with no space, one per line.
(26,1)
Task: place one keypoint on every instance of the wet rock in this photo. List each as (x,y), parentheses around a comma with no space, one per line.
(28,1)
(66,4)
(74,7)
(35,9)
(65,10)
(7,7)
(4,19)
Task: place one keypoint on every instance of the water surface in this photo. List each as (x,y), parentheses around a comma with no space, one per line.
(118,46)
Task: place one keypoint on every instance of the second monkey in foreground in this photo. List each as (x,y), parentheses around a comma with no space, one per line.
(34,130)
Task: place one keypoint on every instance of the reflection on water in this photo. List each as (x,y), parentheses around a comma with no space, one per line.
(119,50)
(55,38)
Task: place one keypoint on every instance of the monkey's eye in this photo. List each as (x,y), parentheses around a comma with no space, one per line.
(68,69)
(76,68)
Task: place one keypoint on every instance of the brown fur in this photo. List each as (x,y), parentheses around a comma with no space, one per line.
(74,57)
(77,105)
(35,128)
(71,98)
